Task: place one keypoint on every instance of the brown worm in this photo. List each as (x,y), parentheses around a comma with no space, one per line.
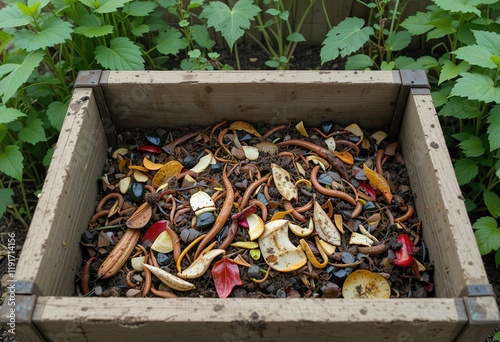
(86,275)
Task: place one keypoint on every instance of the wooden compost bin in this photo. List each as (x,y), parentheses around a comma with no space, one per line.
(464,308)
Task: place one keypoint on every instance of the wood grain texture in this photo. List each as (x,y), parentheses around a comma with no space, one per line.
(439,202)
(191,319)
(175,98)
(52,248)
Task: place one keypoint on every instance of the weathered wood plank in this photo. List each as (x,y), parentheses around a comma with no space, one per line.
(51,251)
(483,318)
(102,319)
(439,202)
(207,97)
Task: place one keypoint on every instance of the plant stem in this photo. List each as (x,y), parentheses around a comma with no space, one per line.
(299,26)
(326,15)
(237,55)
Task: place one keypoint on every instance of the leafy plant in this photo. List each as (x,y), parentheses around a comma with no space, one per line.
(468,95)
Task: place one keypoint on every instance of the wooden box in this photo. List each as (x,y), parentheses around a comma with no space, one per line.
(464,308)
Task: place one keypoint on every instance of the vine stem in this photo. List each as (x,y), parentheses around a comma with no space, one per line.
(299,26)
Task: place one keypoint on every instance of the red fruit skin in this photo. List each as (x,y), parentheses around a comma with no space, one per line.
(151,149)
(156,229)
(403,255)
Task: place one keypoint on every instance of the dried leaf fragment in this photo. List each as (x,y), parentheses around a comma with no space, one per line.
(379,182)
(148,164)
(283,182)
(302,130)
(203,163)
(200,265)
(167,171)
(140,217)
(324,226)
(170,280)
(163,243)
(244,126)
(345,156)
(365,284)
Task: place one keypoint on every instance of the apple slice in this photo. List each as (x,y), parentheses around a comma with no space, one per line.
(255,226)
(163,243)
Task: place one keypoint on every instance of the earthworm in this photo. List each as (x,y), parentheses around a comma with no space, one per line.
(378,161)
(220,158)
(287,205)
(357,210)
(86,275)
(274,130)
(329,192)
(407,215)
(98,215)
(337,164)
(224,214)
(349,144)
(170,147)
(129,281)
(175,242)
(305,207)
(372,250)
(179,213)
(251,188)
(106,198)
(152,259)
(162,294)
(253,166)
(326,136)
(287,154)
(212,132)
(304,159)
(262,208)
(266,193)
(178,262)
(353,264)
(231,233)
(148,280)
(220,140)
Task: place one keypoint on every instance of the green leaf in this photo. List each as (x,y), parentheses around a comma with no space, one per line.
(202,37)
(450,70)
(476,87)
(398,41)
(230,22)
(284,15)
(11,162)
(90,26)
(443,27)
(417,24)
(344,39)
(387,66)
(139,8)
(9,114)
(296,37)
(33,131)
(48,157)
(273,11)
(3,132)
(109,6)
(492,201)
(18,74)
(487,234)
(122,54)
(472,147)
(194,4)
(488,40)
(427,62)
(28,10)
(272,63)
(494,128)
(475,55)
(56,112)
(496,337)
(170,42)
(359,62)
(470,205)
(5,199)
(53,31)
(460,108)
(404,62)
(466,170)
(463,6)
(11,16)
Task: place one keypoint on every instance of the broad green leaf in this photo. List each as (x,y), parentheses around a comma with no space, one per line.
(404,62)
(492,201)
(442,28)
(494,128)
(202,37)
(5,199)
(56,112)
(9,114)
(139,8)
(91,26)
(3,132)
(296,37)
(194,4)
(273,11)
(359,62)
(487,234)
(33,131)
(91,32)
(139,30)
(344,39)
(171,42)
(476,87)
(472,147)
(427,62)
(470,205)
(463,6)
(272,63)
(475,55)
(387,66)
(11,16)
(450,70)
(230,22)
(48,157)
(488,40)
(122,54)
(466,170)
(398,41)
(18,74)
(109,6)
(53,31)
(417,24)
(30,11)
(461,108)
(11,162)
(284,15)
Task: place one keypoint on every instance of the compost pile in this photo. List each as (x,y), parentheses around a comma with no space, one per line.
(256,211)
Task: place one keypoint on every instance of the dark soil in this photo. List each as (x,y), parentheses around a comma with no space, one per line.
(251,59)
